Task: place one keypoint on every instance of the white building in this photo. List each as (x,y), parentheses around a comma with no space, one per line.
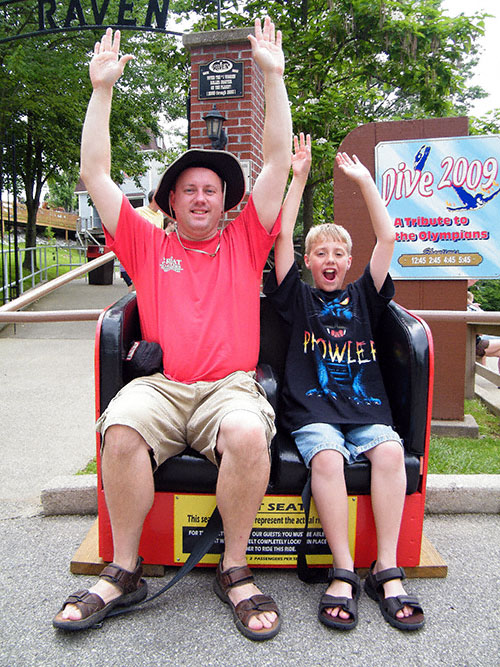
(89,221)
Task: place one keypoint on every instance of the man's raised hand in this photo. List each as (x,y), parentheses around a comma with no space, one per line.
(106,66)
(266,47)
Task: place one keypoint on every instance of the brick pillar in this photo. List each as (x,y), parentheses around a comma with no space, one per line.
(245,115)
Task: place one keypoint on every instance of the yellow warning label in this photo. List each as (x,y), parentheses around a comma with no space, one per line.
(277,530)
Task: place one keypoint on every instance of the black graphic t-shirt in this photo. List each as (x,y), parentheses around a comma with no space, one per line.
(332,373)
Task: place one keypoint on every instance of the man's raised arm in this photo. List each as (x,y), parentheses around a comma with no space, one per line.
(270,185)
(105,69)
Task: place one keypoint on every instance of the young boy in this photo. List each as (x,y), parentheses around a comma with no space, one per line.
(335,402)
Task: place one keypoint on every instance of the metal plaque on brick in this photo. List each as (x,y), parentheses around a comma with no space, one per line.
(220,79)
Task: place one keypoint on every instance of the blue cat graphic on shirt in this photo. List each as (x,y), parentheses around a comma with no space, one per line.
(339,377)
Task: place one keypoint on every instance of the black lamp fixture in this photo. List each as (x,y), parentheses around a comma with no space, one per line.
(214,120)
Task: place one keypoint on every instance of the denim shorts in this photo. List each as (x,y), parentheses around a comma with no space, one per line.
(351,440)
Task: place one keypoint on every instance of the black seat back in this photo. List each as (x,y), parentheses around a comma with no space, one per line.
(404,349)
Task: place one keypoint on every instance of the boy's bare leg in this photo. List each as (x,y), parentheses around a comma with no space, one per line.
(242,482)
(129,489)
(388,490)
(330,496)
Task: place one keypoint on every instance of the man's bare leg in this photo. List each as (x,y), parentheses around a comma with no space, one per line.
(129,489)
(242,482)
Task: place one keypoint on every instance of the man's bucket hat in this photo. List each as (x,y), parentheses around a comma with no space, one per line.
(226,165)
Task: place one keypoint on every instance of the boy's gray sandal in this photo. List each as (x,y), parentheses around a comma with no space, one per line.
(244,610)
(374,588)
(92,606)
(350,605)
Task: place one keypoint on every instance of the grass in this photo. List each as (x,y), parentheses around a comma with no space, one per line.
(65,257)
(449,456)
(90,468)
(469,456)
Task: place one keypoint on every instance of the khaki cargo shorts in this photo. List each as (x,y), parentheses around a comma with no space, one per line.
(171,415)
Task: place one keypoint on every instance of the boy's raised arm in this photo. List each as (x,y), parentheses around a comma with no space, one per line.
(382,226)
(301,164)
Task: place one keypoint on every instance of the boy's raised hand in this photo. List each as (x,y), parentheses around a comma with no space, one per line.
(106,67)
(266,47)
(352,167)
(301,157)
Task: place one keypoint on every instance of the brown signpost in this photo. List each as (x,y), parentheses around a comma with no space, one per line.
(350,210)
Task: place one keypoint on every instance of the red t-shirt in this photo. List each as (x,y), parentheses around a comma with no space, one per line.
(203,311)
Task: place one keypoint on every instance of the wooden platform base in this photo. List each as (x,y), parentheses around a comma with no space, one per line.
(87,561)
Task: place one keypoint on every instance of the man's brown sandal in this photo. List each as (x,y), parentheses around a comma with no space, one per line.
(92,606)
(246,609)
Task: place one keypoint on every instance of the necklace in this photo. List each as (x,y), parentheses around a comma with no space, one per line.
(203,252)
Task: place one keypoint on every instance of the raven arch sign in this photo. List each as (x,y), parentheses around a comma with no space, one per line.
(51,16)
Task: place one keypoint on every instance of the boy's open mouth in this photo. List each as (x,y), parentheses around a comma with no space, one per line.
(329,274)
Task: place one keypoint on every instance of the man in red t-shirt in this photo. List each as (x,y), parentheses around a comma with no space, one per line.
(198,296)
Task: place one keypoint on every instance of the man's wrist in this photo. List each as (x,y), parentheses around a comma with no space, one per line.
(274,75)
(102,93)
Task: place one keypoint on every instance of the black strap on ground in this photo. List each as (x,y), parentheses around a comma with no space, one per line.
(201,547)
(305,573)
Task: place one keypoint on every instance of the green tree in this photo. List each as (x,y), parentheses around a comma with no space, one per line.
(62,190)
(351,62)
(487,294)
(45,91)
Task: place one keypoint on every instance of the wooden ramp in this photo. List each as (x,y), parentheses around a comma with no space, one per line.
(44,217)
(87,561)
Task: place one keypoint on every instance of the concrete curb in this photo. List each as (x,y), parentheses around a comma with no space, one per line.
(463,494)
(446,494)
(70,494)
(467,428)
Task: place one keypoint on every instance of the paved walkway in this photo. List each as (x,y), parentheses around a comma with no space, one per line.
(190,627)
(47,395)
(46,398)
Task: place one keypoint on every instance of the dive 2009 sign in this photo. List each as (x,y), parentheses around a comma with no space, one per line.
(68,15)
(443,196)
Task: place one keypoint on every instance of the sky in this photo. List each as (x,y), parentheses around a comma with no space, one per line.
(486,72)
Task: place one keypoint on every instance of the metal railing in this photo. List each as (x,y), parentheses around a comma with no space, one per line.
(473,367)
(47,258)
(10,312)
(476,321)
